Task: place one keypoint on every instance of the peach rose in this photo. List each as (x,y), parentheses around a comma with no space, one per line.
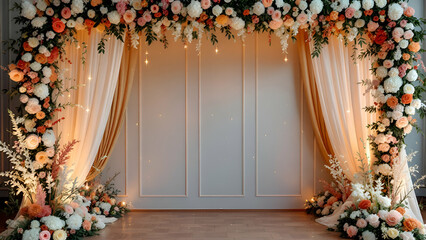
(42,158)
(402,122)
(274,24)
(393,218)
(392,102)
(414,47)
(406,56)
(361,223)
(372,26)
(383,147)
(129,16)
(40,115)
(352,231)
(364,204)
(409,12)
(222,19)
(41,58)
(205,4)
(334,15)
(302,18)
(32,141)
(386,158)
(16,75)
(400,210)
(289,22)
(267,3)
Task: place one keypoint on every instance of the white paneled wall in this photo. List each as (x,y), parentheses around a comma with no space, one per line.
(217,130)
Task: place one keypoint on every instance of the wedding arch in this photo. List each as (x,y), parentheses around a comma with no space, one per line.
(384,31)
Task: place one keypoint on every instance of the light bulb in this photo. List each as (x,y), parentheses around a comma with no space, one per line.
(90,78)
(146,61)
(87,110)
(285,59)
(216,50)
(185,46)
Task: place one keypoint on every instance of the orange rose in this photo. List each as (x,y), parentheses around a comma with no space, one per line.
(12,66)
(100,28)
(400,210)
(54,75)
(392,102)
(40,115)
(334,15)
(246,12)
(95,3)
(414,47)
(410,224)
(89,23)
(27,47)
(406,56)
(222,19)
(42,158)
(407,98)
(57,25)
(16,75)
(364,204)
(41,58)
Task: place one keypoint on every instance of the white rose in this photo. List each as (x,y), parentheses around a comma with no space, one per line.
(258,8)
(367,235)
(194,9)
(49,138)
(41,4)
(359,23)
(412,75)
(410,110)
(409,26)
(396,115)
(27,57)
(316,6)
(35,66)
(59,235)
(303,5)
(380,138)
(114,17)
(358,14)
(403,44)
(35,224)
(50,34)
(237,23)
(381,3)
(381,72)
(217,10)
(104,10)
(33,42)
(38,22)
(395,11)
(408,88)
(23,98)
(71,23)
(392,84)
(91,13)
(28,9)
(279,3)
(77,6)
(32,141)
(367,4)
(416,103)
(47,72)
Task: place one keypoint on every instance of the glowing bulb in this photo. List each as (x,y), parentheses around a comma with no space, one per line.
(90,78)
(146,53)
(87,187)
(146,61)
(123,204)
(185,46)
(69,95)
(217,50)
(285,59)
(87,110)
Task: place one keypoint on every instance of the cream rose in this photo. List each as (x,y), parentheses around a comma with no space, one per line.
(32,141)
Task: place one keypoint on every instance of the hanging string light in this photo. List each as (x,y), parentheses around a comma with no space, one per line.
(216,50)
(285,58)
(146,57)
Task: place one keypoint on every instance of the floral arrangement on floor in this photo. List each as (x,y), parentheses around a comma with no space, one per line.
(102,198)
(334,194)
(387,28)
(370,215)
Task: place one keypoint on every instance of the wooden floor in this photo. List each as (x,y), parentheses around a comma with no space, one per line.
(223,225)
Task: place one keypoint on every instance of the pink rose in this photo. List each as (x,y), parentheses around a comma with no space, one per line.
(402,70)
(382,55)
(372,26)
(388,63)
(32,74)
(205,4)
(393,218)
(87,225)
(275,24)
(42,175)
(349,13)
(373,220)
(397,33)
(44,235)
(147,16)
(402,122)
(408,34)
(409,12)
(50,151)
(66,12)
(361,223)
(270,10)
(302,18)
(141,21)
(352,231)
(393,150)
(276,15)
(155,8)
(383,147)
(176,7)
(385,157)
(121,7)
(267,3)
(68,209)
(403,23)
(129,16)
(392,24)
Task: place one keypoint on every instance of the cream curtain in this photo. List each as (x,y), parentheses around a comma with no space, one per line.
(342,101)
(118,109)
(312,98)
(96,81)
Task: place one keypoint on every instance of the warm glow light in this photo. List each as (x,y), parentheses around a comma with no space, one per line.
(87,187)
(146,53)
(87,110)
(123,204)
(285,59)
(90,78)
(185,46)
(146,61)
(217,50)
(69,95)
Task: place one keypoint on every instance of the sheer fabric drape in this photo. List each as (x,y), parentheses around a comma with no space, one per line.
(96,80)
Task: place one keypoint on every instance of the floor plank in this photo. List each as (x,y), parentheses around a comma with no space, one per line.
(210,225)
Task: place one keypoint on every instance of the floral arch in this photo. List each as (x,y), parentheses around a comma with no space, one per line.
(393,32)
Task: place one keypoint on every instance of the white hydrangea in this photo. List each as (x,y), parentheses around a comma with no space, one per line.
(410,110)
(381,3)
(49,139)
(41,4)
(355,5)
(41,90)
(392,84)
(367,4)
(35,224)
(416,103)
(409,26)
(303,5)
(396,115)
(74,221)
(100,225)
(355,214)
(399,108)
(77,6)
(217,10)
(38,22)
(367,235)
(29,11)
(381,72)
(395,11)
(279,3)
(258,8)
(52,222)
(35,66)
(47,72)
(114,17)
(384,201)
(105,206)
(104,10)
(397,54)
(339,5)
(384,169)
(27,57)
(316,6)
(194,9)
(31,234)
(237,23)
(412,75)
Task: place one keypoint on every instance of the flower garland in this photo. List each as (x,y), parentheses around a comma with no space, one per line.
(387,28)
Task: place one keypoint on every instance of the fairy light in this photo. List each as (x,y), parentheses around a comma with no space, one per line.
(146,57)
(87,110)
(90,78)
(185,46)
(285,58)
(216,50)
